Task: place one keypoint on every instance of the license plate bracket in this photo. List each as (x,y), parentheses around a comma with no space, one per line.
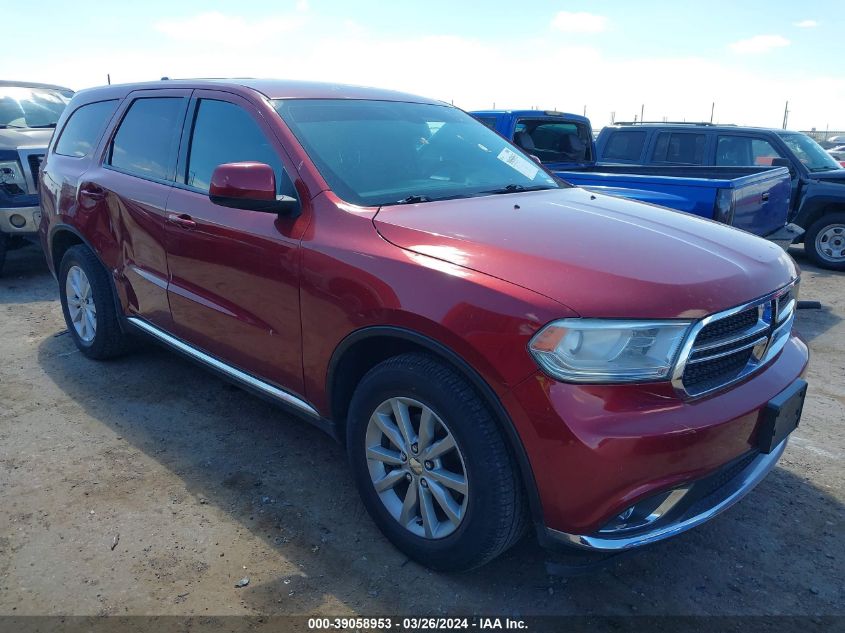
(781,416)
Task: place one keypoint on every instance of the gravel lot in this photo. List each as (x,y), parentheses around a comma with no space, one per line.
(206,484)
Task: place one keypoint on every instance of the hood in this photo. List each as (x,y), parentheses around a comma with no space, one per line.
(598,255)
(12,138)
(834,175)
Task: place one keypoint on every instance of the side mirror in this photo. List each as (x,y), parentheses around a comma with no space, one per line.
(783,162)
(249,186)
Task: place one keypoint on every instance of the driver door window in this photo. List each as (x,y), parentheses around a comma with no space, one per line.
(224,133)
(744,151)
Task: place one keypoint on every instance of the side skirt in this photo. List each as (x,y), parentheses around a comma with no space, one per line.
(248,381)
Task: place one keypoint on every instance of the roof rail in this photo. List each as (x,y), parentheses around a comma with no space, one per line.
(704,123)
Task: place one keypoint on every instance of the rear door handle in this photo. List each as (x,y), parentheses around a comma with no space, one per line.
(766,197)
(182,219)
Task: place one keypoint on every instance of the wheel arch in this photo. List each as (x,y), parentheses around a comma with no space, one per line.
(365,348)
(63,237)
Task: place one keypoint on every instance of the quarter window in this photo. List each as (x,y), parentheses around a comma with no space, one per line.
(83,128)
(624,146)
(680,148)
(225,133)
(145,142)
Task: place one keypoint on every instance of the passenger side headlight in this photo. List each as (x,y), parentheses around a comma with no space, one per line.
(11,177)
(607,350)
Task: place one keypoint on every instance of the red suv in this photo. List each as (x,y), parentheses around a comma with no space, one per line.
(493,346)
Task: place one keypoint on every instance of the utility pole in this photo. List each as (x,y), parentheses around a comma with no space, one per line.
(108,78)
(785,114)
(642,113)
(613,117)
(712,110)
(585,110)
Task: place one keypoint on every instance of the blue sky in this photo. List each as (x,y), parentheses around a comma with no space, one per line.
(607,55)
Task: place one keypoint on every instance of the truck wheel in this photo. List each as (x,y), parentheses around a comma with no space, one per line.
(88,305)
(4,246)
(825,241)
(432,468)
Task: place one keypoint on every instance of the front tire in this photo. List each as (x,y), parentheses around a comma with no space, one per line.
(824,242)
(431,465)
(88,305)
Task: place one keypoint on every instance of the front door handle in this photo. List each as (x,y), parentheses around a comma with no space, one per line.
(766,197)
(182,220)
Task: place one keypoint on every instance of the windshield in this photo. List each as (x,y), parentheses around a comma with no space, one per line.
(22,107)
(375,153)
(809,152)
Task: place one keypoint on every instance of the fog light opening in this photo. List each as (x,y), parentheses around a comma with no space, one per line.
(645,512)
(17,221)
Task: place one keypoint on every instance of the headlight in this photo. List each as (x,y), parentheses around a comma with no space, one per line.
(11,177)
(598,350)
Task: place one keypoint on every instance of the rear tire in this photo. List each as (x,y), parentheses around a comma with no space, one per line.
(824,242)
(88,305)
(467,504)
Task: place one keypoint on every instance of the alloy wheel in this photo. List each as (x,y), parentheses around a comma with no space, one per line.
(80,304)
(417,468)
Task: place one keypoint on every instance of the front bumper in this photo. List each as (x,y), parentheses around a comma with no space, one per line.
(702,510)
(785,235)
(597,450)
(20,220)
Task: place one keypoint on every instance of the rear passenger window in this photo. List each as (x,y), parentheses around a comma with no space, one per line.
(225,133)
(145,142)
(624,146)
(744,151)
(682,148)
(83,128)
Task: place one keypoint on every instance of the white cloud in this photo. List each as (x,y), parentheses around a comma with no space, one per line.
(806,24)
(213,26)
(759,44)
(469,71)
(579,22)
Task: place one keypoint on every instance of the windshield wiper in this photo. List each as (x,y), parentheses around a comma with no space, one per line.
(513,188)
(4,126)
(40,127)
(413,199)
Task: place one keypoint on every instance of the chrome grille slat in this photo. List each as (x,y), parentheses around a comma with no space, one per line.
(735,350)
(726,347)
(754,331)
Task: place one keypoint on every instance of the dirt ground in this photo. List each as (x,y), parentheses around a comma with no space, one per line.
(201,484)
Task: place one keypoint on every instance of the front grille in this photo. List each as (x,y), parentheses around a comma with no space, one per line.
(734,344)
(34,165)
(728,326)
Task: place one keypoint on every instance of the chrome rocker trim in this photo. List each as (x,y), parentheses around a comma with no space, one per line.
(728,495)
(238,375)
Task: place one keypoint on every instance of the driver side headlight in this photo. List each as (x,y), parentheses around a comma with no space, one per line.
(608,350)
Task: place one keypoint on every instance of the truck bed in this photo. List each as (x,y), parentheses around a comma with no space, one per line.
(760,195)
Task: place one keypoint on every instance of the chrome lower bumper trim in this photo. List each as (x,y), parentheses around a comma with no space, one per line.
(232,372)
(725,497)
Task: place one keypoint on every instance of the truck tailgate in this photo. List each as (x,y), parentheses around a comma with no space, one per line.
(761,201)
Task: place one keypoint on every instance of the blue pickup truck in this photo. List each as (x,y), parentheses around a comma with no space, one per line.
(818,181)
(755,199)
